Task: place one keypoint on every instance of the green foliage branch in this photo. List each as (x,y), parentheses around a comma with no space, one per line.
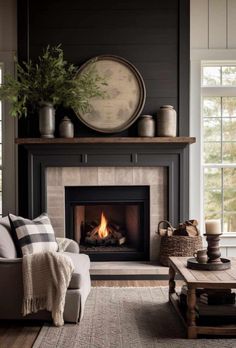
(51,79)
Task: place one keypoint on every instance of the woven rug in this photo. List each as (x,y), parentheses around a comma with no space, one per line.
(126,318)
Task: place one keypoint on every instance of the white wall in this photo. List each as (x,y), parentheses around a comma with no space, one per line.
(212,37)
(213,24)
(8,47)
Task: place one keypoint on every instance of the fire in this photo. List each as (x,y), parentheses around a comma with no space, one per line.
(102,229)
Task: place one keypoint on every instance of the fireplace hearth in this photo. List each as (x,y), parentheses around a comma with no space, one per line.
(110,223)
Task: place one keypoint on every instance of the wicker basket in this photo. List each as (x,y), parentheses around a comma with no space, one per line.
(177,245)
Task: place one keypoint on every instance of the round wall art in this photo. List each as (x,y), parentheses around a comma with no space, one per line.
(124,99)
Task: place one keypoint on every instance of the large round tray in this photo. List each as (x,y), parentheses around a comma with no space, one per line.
(193,264)
(125,95)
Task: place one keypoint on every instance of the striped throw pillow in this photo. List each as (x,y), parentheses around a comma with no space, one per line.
(32,236)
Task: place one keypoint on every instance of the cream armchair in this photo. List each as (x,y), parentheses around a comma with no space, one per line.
(11,283)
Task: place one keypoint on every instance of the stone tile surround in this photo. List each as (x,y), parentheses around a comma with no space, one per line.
(155,177)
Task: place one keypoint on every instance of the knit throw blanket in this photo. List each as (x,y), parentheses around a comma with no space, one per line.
(46,277)
(63,243)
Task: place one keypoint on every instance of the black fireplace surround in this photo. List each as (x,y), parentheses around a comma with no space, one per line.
(127,207)
(38,157)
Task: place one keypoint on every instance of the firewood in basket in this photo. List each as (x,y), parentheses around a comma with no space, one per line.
(162,232)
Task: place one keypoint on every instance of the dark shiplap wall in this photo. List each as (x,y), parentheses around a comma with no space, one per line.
(147,33)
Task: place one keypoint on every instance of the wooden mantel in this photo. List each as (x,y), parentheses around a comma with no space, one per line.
(109,140)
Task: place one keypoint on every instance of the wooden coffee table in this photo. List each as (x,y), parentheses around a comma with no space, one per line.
(200,279)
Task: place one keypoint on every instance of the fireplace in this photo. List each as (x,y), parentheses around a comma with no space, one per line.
(110,223)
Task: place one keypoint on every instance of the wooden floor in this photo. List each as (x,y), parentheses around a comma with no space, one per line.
(23,335)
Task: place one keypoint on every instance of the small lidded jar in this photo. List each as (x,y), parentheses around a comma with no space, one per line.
(146,126)
(66,128)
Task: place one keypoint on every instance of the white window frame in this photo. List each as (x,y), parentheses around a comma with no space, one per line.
(216,91)
(197,56)
(9,150)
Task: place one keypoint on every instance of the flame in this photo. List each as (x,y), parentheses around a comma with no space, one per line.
(102,230)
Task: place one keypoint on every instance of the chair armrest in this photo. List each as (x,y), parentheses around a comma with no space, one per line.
(73,247)
(6,261)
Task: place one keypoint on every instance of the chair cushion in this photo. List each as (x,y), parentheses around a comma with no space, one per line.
(82,264)
(33,236)
(7,247)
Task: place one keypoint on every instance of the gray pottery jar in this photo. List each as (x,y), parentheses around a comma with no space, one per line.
(66,128)
(46,120)
(146,126)
(167,121)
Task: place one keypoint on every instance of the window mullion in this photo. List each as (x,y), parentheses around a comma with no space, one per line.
(218,91)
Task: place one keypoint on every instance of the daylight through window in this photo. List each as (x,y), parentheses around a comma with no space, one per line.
(219,143)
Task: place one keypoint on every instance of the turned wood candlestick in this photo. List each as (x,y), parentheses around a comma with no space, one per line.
(213,248)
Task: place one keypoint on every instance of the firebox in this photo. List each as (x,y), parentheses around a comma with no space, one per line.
(110,223)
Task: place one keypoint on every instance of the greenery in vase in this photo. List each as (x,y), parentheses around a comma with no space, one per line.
(51,80)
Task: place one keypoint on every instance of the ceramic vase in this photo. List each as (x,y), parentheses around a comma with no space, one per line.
(167,121)
(66,128)
(146,126)
(46,120)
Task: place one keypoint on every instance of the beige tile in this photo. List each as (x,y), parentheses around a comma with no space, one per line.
(55,190)
(57,222)
(155,177)
(124,176)
(55,196)
(147,176)
(59,232)
(158,194)
(71,176)
(56,212)
(154,247)
(138,176)
(88,176)
(54,176)
(154,221)
(155,209)
(106,176)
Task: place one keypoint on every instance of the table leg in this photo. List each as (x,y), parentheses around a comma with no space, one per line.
(171,280)
(191,314)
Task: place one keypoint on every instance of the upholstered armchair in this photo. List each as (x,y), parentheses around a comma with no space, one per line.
(11,283)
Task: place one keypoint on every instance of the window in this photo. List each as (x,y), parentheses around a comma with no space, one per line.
(219,143)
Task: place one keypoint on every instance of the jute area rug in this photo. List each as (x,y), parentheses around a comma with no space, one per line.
(126,318)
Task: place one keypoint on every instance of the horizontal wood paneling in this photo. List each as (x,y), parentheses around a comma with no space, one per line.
(138,52)
(105,18)
(8,25)
(145,33)
(108,35)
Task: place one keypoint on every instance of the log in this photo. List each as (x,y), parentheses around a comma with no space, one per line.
(115,235)
(94,231)
(115,226)
(121,241)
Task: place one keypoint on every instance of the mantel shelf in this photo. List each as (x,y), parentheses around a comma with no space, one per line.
(108,140)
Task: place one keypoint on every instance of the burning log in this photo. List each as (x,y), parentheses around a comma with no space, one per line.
(122,240)
(105,233)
